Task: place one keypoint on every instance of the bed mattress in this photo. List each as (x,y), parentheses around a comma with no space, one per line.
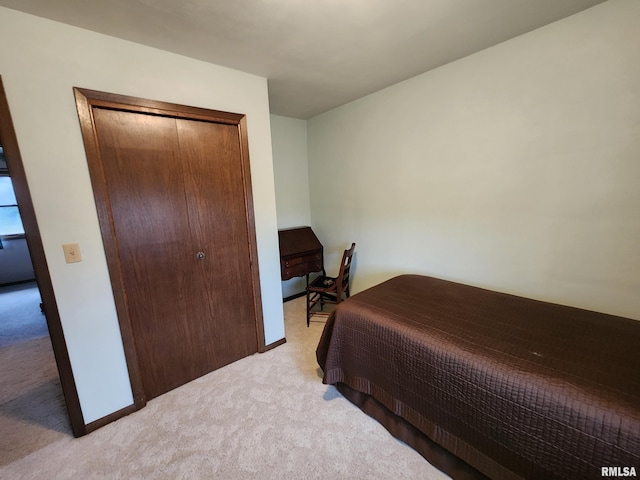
(510,387)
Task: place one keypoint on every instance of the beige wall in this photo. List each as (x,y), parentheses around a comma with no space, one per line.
(40,62)
(515,169)
(289,141)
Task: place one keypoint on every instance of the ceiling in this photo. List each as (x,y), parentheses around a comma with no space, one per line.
(316,55)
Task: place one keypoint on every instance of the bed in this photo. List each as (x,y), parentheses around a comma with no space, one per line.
(490,385)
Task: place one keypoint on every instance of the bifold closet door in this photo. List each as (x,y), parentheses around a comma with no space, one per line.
(177,204)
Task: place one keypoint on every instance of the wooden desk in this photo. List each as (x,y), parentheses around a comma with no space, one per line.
(301,253)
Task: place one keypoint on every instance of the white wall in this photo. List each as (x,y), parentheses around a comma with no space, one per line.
(289,141)
(515,169)
(40,62)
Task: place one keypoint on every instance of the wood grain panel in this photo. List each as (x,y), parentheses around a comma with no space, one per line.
(146,191)
(218,219)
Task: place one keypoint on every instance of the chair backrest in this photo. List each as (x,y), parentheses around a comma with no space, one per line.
(342,281)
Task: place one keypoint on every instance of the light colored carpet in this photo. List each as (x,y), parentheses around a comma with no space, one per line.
(20,315)
(267,416)
(32,410)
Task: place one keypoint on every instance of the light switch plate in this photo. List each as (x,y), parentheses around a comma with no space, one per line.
(72,252)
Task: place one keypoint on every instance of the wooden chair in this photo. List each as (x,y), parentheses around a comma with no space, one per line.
(325,289)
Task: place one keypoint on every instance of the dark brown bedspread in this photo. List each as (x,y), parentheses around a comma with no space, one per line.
(517,388)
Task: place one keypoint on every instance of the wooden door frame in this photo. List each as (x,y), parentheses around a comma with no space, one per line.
(86,100)
(18,176)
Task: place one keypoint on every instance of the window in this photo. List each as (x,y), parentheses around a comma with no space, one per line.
(10,222)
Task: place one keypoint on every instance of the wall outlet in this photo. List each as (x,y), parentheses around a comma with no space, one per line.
(72,252)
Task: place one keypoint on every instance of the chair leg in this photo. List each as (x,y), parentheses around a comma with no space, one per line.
(308,308)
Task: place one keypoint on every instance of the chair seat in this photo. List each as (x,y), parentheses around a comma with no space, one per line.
(322,282)
(325,289)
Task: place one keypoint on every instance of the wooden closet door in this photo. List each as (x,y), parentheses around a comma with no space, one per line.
(218,213)
(189,313)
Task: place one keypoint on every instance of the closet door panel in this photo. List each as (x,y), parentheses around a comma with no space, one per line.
(145,181)
(218,219)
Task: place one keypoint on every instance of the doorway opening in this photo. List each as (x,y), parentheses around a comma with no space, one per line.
(31,397)
(32,406)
